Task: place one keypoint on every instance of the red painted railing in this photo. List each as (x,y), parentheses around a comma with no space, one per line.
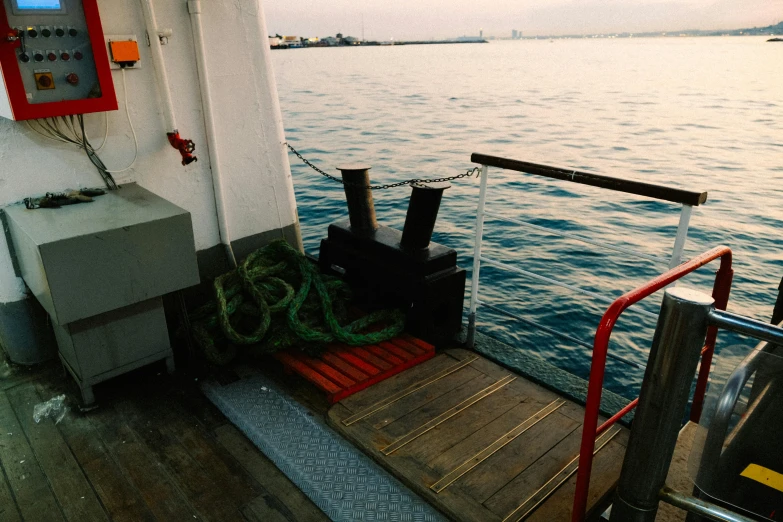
(720,292)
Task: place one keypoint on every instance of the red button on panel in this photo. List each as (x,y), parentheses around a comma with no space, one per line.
(65,57)
(78,55)
(72,78)
(52,57)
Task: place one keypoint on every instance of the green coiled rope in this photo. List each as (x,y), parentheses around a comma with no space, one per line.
(275,299)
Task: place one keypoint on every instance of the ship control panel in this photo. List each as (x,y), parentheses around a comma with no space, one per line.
(53,59)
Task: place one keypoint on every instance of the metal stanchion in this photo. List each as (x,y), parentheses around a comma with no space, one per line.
(679,338)
(422,214)
(361,209)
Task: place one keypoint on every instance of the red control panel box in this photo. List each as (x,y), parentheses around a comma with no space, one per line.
(53,60)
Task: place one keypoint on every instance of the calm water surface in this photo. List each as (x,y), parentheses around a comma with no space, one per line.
(698,113)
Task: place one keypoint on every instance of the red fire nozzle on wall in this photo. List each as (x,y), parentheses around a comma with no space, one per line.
(185,147)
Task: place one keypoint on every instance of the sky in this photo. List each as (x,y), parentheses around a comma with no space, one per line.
(425,19)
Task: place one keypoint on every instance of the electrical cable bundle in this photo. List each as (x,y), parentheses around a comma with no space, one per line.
(104,172)
(70,129)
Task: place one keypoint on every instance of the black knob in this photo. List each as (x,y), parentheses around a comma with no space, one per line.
(24,57)
(32,33)
(38,57)
(59,31)
(46,33)
(72,32)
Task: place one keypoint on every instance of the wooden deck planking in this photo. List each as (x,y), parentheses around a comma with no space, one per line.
(8,509)
(73,491)
(160,491)
(495,487)
(421,397)
(274,503)
(477,440)
(213,499)
(120,498)
(115,449)
(27,482)
(606,471)
(451,398)
(493,474)
(406,470)
(462,426)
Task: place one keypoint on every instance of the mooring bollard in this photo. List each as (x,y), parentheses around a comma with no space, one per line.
(777,315)
(361,209)
(422,214)
(674,356)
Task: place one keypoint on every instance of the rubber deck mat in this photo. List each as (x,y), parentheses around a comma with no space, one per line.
(336,476)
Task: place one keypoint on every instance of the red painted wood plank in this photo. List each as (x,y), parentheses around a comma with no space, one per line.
(409,347)
(344,370)
(308,373)
(330,373)
(348,369)
(347,356)
(337,397)
(396,350)
(370,358)
(424,345)
(384,354)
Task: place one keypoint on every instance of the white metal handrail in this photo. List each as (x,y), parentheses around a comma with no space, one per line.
(481,213)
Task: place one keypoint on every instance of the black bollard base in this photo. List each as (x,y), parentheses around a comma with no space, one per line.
(427,283)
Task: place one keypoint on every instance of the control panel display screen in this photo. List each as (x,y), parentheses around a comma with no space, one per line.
(39,6)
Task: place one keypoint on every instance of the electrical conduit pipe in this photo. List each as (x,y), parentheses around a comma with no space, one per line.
(194,8)
(185,147)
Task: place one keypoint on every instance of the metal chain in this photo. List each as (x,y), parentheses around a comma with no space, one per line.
(469,173)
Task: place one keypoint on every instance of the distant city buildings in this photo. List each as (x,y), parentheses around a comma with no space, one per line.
(295,42)
(516,35)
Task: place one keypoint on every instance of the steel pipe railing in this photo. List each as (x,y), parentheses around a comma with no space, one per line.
(688,199)
(719,425)
(747,326)
(700,507)
(601,347)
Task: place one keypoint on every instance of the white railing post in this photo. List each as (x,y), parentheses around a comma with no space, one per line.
(682,236)
(474,280)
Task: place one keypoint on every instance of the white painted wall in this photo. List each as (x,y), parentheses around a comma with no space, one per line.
(259,191)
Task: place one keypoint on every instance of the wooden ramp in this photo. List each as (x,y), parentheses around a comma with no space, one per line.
(478,442)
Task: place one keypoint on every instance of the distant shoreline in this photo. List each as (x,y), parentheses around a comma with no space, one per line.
(381,44)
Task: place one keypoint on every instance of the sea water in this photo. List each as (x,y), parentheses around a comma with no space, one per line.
(702,114)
